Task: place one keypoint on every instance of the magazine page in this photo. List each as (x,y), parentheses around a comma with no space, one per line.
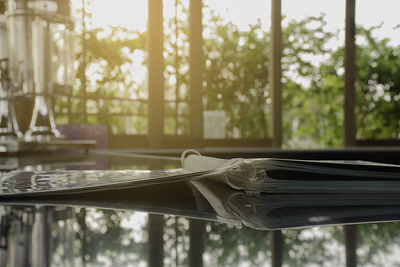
(20,182)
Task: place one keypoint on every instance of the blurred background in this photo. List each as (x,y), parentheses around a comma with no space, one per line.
(216,73)
(233,64)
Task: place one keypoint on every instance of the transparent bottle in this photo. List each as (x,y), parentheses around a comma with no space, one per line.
(42,124)
(41,61)
(8,120)
(19,22)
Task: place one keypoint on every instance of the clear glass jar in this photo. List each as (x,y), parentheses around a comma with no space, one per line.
(41,60)
(8,120)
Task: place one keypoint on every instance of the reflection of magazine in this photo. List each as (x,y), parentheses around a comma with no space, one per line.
(207,199)
(280,211)
(250,175)
(174,198)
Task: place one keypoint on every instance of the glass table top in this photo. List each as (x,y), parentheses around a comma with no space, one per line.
(177,224)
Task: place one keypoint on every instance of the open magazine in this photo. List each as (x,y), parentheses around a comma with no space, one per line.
(253,176)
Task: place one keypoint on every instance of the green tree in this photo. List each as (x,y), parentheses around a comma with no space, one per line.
(377,86)
(108,57)
(312,97)
(236,80)
(236,77)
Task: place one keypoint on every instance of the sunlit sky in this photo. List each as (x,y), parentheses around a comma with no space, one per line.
(133,13)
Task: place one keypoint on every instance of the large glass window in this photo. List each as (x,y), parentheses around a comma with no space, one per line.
(236,79)
(176,71)
(378,70)
(111,84)
(312,73)
(111,66)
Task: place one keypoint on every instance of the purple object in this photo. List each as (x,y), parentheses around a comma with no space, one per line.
(86,132)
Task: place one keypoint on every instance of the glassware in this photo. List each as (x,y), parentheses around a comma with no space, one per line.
(8,121)
(42,123)
(41,61)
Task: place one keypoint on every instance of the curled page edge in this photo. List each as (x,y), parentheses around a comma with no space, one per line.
(233,172)
(196,162)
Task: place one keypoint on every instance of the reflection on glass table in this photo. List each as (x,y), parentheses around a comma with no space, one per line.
(192,222)
(48,235)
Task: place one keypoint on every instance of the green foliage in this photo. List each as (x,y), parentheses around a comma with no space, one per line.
(100,233)
(375,242)
(109,54)
(318,246)
(229,246)
(176,241)
(104,65)
(312,91)
(378,87)
(176,73)
(236,77)
(236,80)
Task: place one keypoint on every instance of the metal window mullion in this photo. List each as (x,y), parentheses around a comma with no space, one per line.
(84,65)
(276,73)
(196,66)
(349,75)
(155,74)
(176,68)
